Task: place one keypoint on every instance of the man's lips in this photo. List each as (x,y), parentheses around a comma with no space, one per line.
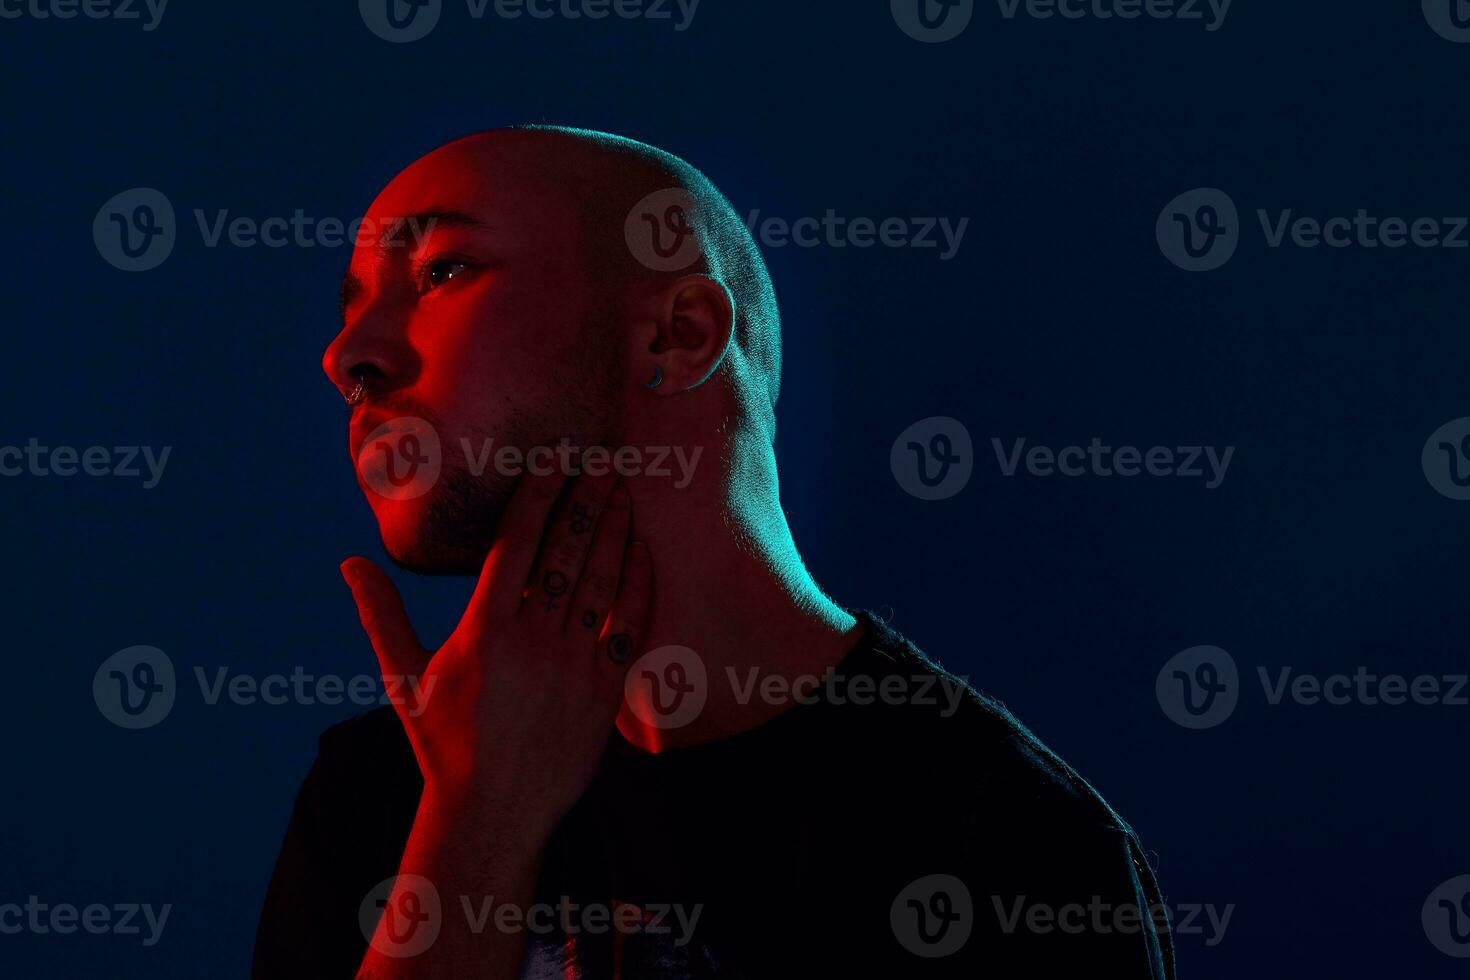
(397,456)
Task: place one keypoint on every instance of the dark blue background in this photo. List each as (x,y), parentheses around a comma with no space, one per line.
(1059,320)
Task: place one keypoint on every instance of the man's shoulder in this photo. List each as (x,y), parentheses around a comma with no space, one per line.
(950,742)
(914,727)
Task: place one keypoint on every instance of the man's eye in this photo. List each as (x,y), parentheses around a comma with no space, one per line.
(437,272)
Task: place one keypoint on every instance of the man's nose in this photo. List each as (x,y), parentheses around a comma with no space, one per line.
(368,351)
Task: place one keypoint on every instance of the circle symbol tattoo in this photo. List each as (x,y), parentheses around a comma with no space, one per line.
(619,648)
(589,619)
(554,583)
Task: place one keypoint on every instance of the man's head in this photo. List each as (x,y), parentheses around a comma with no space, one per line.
(536,280)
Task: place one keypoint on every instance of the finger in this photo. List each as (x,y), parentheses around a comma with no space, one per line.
(626,633)
(598,584)
(568,538)
(384,620)
(517,539)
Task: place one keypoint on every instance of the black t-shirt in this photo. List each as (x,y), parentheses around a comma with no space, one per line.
(909,835)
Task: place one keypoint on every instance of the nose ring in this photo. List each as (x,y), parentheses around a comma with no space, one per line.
(358,393)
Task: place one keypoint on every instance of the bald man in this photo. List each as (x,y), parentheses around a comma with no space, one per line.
(652,747)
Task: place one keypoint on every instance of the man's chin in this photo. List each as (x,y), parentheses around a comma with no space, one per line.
(448,532)
(422,547)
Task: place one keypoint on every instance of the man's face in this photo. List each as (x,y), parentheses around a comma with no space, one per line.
(476,318)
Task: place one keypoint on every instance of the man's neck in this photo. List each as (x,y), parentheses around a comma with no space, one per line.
(730,588)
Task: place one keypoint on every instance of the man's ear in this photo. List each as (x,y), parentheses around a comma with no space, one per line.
(684,337)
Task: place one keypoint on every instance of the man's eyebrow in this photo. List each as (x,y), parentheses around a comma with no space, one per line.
(423,222)
(417,225)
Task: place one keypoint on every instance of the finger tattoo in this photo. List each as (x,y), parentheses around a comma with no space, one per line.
(554,583)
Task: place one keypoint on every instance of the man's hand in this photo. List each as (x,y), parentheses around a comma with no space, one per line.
(521,699)
(523,695)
